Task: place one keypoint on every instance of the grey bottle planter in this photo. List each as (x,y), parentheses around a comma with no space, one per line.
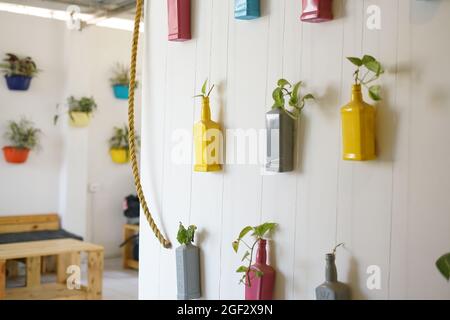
(280,141)
(188,272)
(332,289)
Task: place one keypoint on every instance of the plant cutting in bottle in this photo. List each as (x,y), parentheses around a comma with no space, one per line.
(84,105)
(296,103)
(17,66)
(258,233)
(368,70)
(205,94)
(186,236)
(443,265)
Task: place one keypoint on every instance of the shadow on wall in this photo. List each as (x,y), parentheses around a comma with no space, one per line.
(424,11)
(354,277)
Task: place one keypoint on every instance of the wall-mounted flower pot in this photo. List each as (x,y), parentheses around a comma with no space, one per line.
(188,272)
(18,83)
(121,91)
(120,156)
(207,140)
(247,9)
(16,155)
(179,14)
(317,10)
(358,128)
(79,119)
(260,288)
(280,141)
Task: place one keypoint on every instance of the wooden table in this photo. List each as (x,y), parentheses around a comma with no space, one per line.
(68,253)
(129,230)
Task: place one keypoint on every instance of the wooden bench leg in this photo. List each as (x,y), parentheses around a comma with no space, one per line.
(95,275)
(63,261)
(2,279)
(33,272)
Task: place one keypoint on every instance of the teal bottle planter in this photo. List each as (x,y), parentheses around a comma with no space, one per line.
(18,83)
(121,91)
(247,9)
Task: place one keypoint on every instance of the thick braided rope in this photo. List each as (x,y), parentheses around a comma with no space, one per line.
(132,137)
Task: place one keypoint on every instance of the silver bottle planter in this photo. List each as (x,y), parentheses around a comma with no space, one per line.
(280,141)
(332,289)
(188,272)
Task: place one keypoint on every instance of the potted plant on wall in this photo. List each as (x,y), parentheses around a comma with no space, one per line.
(119,147)
(23,136)
(207,137)
(80,111)
(18,71)
(188,264)
(281,123)
(358,117)
(120,81)
(259,278)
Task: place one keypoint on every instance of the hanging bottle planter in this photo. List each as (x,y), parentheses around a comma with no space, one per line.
(188,265)
(23,138)
(317,10)
(259,277)
(179,14)
(247,9)
(280,126)
(19,72)
(207,138)
(358,117)
(332,289)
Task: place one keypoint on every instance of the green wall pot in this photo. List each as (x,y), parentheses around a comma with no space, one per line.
(188,272)
(280,141)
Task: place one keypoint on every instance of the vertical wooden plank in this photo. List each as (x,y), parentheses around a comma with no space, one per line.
(247,71)
(63,261)
(33,271)
(95,275)
(2,279)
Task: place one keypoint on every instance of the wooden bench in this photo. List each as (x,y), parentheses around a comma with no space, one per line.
(67,252)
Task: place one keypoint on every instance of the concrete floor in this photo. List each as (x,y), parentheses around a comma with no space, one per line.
(118,283)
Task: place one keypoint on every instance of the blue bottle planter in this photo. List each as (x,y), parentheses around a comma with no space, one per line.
(120,91)
(247,9)
(18,83)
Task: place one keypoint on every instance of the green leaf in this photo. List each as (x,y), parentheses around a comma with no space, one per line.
(182,235)
(375,92)
(356,61)
(245,231)
(258,273)
(443,265)
(278,98)
(294,95)
(235,245)
(367,59)
(190,233)
(242,269)
(374,66)
(283,82)
(204,87)
(246,255)
(261,230)
(309,96)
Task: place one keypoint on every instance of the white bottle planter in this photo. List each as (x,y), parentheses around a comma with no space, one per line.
(188,272)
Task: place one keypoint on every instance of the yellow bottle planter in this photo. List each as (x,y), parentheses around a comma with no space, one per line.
(79,119)
(208,142)
(358,128)
(120,156)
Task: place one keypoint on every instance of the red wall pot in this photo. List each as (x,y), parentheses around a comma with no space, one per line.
(179,14)
(317,10)
(15,155)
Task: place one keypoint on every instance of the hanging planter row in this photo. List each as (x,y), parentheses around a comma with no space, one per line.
(179,14)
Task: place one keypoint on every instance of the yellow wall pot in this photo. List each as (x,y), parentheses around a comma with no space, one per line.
(120,156)
(79,119)
(208,142)
(358,128)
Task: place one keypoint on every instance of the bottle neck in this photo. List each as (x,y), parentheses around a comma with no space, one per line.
(206,111)
(330,269)
(261,254)
(356,93)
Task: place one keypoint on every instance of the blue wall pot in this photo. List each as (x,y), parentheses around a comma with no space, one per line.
(120,91)
(247,9)
(18,83)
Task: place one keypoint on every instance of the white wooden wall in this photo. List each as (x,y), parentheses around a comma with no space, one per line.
(393,212)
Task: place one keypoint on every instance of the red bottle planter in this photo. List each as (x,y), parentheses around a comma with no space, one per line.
(16,155)
(317,10)
(179,14)
(260,288)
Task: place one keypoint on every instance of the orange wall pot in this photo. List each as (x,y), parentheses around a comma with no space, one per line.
(15,155)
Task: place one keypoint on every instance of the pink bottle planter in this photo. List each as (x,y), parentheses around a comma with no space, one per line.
(260,288)
(317,10)
(179,14)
